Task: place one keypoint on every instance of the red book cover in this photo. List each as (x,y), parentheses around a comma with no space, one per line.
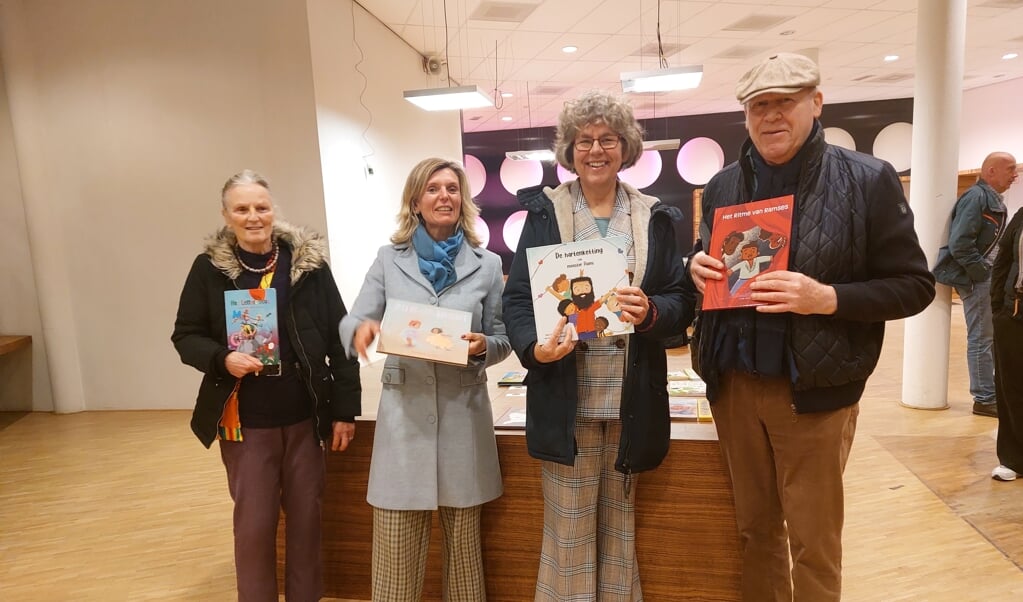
(751,239)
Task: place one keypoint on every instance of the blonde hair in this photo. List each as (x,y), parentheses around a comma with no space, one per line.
(597,107)
(415,185)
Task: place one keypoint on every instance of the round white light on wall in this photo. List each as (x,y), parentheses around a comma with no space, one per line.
(894,144)
(564,175)
(645,172)
(699,159)
(513,229)
(516,175)
(476,173)
(839,137)
(483,231)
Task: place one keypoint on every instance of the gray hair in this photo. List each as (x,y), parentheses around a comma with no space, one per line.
(415,185)
(243,177)
(597,107)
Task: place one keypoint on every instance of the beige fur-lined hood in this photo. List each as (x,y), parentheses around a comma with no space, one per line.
(308,249)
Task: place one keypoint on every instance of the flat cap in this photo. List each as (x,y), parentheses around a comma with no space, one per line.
(782,73)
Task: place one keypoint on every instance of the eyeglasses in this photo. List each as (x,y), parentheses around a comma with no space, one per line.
(605,142)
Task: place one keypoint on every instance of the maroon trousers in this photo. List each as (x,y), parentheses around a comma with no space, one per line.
(270,470)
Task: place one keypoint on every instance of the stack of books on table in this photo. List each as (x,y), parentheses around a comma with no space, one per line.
(687,396)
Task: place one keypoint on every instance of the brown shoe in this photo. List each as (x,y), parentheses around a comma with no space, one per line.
(985,409)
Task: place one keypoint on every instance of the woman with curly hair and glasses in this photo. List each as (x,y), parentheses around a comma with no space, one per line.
(597,410)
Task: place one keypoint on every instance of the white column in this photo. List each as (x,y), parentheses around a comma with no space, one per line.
(940,38)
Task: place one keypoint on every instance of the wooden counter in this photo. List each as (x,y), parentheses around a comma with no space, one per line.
(685,524)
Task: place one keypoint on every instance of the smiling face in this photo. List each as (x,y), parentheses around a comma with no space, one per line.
(249,212)
(779,124)
(440,205)
(598,167)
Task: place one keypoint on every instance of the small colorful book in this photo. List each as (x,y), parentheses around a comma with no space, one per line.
(687,388)
(578,280)
(252,325)
(750,239)
(425,332)
(703,413)
(512,378)
(683,408)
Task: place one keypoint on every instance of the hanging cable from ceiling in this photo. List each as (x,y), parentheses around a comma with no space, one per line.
(660,47)
(498,99)
(362,92)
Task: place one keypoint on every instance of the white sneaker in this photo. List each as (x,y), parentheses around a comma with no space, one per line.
(1003,473)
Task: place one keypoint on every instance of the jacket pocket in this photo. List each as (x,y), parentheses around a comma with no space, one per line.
(393,375)
(471,377)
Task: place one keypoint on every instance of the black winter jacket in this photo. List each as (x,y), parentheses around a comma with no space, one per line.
(551,394)
(316,309)
(852,229)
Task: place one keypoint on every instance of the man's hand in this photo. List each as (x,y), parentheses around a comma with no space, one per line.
(785,291)
(703,267)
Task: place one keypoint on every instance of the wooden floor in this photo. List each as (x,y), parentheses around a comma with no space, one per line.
(113,506)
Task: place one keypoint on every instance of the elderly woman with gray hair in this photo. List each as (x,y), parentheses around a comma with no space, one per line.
(276,387)
(597,410)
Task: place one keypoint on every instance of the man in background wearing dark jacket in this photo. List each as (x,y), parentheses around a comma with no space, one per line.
(977,222)
(785,378)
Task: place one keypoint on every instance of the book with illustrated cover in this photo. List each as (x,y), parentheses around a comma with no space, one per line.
(683,408)
(677,375)
(703,413)
(579,280)
(252,329)
(512,378)
(511,419)
(751,239)
(687,388)
(425,332)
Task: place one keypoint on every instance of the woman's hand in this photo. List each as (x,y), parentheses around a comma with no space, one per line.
(365,334)
(703,267)
(344,433)
(634,303)
(552,350)
(477,343)
(240,364)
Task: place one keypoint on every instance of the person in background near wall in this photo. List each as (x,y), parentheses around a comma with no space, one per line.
(1007,317)
(273,430)
(597,410)
(785,378)
(434,445)
(977,222)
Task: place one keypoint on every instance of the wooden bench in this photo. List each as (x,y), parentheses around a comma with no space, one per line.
(15,373)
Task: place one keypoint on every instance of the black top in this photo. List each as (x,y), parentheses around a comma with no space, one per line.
(273,401)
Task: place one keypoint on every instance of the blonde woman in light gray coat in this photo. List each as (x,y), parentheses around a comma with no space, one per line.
(434,446)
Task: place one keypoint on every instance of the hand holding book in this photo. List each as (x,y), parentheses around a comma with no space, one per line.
(551,350)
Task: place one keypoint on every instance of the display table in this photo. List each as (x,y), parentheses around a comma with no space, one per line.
(15,373)
(685,523)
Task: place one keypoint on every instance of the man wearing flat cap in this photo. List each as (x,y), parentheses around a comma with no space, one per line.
(785,377)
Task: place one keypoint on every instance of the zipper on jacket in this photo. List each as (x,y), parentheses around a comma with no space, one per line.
(297,342)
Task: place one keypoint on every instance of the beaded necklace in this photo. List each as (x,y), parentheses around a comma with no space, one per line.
(270,265)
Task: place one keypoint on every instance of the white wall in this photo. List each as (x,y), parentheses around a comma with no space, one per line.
(19,303)
(126,117)
(359,75)
(992,121)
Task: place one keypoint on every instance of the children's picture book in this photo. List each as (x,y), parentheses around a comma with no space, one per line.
(687,388)
(252,326)
(683,408)
(703,413)
(512,378)
(579,280)
(750,239)
(425,332)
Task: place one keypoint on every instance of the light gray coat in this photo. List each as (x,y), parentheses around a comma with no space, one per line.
(434,443)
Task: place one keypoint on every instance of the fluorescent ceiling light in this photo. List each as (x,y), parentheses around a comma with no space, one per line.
(449,99)
(530,155)
(659,145)
(1009,55)
(662,80)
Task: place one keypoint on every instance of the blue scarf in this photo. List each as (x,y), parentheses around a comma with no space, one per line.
(437,259)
